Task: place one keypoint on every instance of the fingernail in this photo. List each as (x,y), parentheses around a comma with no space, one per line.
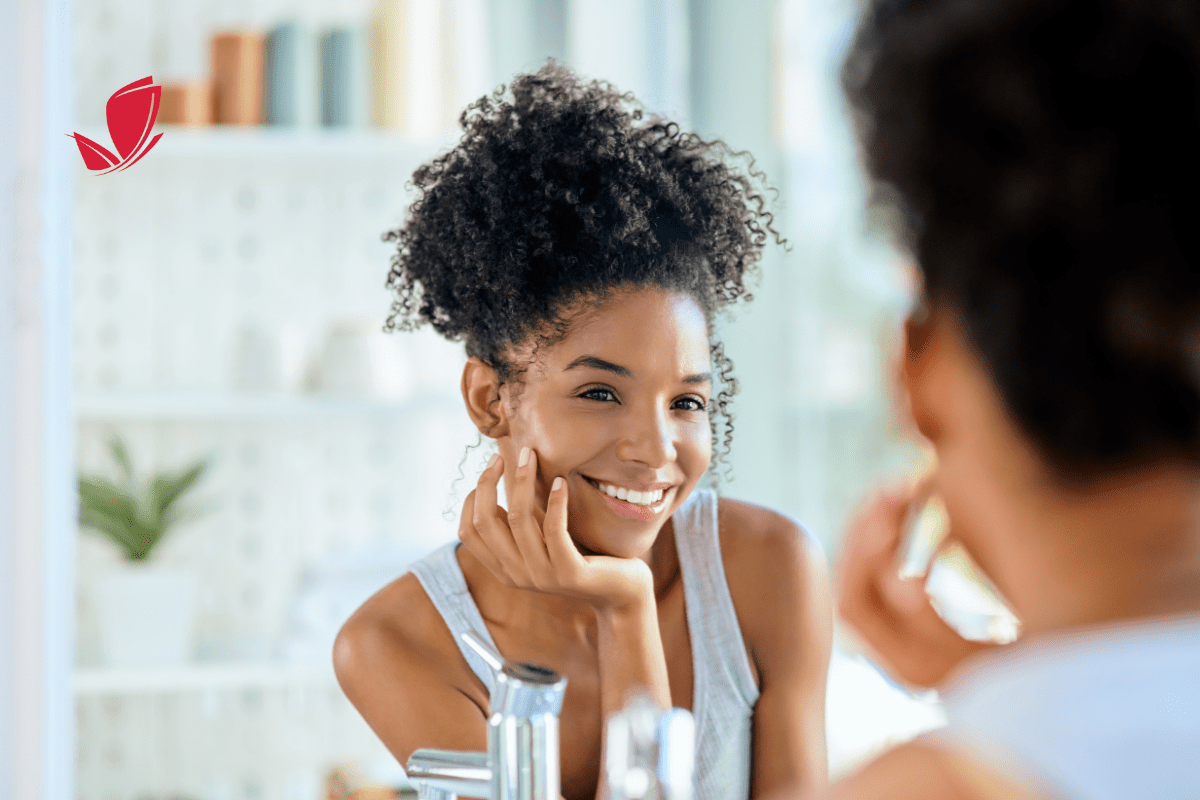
(492,461)
(558,482)
(524,459)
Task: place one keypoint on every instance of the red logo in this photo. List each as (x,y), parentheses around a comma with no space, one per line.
(131,112)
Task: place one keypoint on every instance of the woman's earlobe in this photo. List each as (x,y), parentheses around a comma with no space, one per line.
(917,402)
(481,393)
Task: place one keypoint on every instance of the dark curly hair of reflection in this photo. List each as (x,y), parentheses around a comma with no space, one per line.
(562,193)
(1042,159)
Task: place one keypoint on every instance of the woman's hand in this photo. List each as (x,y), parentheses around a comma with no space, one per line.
(893,615)
(528,547)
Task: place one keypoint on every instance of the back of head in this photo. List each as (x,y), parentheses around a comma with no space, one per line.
(1043,158)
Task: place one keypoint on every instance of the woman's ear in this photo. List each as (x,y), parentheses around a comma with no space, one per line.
(481,393)
(919,395)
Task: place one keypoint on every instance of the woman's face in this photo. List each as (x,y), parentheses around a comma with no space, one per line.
(617,406)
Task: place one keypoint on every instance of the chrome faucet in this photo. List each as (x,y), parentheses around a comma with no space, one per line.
(522,759)
(650,754)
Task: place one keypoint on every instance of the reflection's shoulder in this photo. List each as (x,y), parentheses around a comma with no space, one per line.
(766,552)
(919,770)
(399,624)
(751,527)
(390,620)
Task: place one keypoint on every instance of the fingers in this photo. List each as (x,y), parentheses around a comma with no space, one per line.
(511,543)
(892,613)
(563,552)
(471,539)
(875,534)
(491,523)
(525,520)
(871,544)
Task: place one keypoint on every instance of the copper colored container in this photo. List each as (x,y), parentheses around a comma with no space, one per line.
(187,103)
(237,59)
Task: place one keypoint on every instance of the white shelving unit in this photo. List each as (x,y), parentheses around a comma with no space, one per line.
(240,143)
(215,229)
(199,677)
(184,406)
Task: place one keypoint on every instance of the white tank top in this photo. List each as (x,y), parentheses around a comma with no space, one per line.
(724,691)
(1104,713)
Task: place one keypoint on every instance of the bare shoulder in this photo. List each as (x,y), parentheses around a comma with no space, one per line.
(755,533)
(761,548)
(919,770)
(399,624)
(776,571)
(395,659)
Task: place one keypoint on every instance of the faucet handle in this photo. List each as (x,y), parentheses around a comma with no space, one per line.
(485,651)
(522,690)
(650,754)
(677,754)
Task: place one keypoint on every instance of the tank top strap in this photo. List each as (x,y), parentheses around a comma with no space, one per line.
(722,665)
(442,578)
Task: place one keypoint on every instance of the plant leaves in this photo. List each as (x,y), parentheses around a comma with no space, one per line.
(121,455)
(132,539)
(103,495)
(108,509)
(136,520)
(166,489)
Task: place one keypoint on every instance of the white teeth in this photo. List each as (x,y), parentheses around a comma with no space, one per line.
(629,496)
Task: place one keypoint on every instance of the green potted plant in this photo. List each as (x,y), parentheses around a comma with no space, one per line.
(144,610)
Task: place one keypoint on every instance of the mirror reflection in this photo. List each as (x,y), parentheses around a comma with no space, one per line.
(229,302)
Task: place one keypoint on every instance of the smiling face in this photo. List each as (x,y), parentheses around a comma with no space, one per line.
(619,409)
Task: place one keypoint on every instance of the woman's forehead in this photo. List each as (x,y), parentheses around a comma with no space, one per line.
(644,325)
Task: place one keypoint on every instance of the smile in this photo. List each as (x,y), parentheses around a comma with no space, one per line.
(628,495)
(630,503)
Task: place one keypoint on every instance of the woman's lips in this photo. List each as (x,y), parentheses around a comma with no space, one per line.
(632,510)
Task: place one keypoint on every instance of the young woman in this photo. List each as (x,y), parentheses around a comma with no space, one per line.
(581,254)
(1042,155)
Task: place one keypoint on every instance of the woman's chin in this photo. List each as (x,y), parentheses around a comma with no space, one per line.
(634,546)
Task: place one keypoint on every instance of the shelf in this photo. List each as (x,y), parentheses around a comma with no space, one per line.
(184,405)
(266,142)
(95,681)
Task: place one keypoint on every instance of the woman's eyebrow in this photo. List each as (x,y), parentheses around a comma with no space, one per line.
(599,363)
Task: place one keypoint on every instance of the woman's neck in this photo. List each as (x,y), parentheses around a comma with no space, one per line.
(1124,548)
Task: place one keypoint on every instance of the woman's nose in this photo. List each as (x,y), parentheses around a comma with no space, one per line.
(648,438)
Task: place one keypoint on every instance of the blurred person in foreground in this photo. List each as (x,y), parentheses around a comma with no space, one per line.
(1043,159)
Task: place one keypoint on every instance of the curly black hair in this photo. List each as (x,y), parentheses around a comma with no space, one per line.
(1043,158)
(562,193)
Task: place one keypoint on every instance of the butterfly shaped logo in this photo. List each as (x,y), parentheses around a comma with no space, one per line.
(131,112)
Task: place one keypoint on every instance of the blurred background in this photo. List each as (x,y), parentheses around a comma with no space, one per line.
(226,302)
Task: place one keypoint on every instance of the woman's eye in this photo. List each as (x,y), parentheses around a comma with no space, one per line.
(691,404)
(602,395)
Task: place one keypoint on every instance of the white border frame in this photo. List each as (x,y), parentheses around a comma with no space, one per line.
(37,497)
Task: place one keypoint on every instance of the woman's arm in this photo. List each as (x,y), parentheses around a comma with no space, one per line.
(922,771)
(399,665)
(779,584)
